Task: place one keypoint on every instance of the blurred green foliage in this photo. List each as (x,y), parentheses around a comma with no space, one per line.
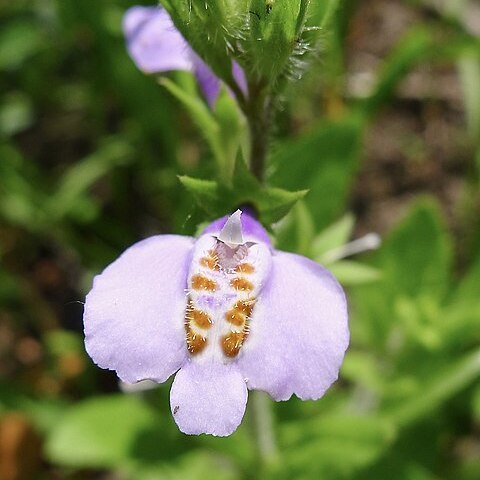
(90,150)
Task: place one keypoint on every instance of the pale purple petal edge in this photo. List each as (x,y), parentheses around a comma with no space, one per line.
(208,398)
(298,332)
(153,42)
(133,317)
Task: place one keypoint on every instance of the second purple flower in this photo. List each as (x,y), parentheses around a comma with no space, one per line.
(156,46)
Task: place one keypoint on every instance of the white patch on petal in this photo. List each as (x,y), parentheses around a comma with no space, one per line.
(224,282)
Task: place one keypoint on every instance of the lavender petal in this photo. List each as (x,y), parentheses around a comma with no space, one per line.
(208,82)
(133,315)
(298,333)
(208,397)
(239,77)
(153,42)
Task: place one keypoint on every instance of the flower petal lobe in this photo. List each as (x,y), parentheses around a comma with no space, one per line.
(298,333)
(153,42)
(134,313)
(208,397)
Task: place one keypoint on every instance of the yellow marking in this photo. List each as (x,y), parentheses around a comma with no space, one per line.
(235,317)
(200,318)
(210,261)
(195,342)
(232,343)
(241,284)
(240,312)
(245,268)
(246,306)
(199,282)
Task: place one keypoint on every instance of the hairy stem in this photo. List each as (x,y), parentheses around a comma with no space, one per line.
(258,110)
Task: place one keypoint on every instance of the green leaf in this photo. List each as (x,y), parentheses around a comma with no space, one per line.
(205,192)
(232,127)
(468,289)
(434,392)
(194,465)
(323,161)
(18,42)
(61,342)
(271,204)
(336,446)
(69,197)
(205,121)
(350,273)
(333,236)
(295,232)
(21,199)
(362,368)
(275,203)
(196,107)
(415,265)
(420,319)
(100,432)
(417,472)
(44,412)
(16,113)
(409,51)
(322,12)
(469,70)
(416,257)
(476,404)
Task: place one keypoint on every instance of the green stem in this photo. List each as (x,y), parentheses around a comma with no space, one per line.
(263,426)
(258,110)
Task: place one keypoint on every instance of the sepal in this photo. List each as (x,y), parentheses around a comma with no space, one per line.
(274,31)
(211,27)
(271,203)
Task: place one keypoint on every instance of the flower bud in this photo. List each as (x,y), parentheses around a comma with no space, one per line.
(275,27)
(212,28)
(261,35)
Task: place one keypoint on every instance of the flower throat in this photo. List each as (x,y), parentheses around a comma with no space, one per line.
(225,278)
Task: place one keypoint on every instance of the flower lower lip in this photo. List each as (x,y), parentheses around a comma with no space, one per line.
(286,333)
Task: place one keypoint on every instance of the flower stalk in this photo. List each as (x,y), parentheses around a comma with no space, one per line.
(264,428)
(258,111)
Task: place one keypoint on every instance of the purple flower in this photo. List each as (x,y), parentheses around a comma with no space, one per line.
(225,311)
(157,46)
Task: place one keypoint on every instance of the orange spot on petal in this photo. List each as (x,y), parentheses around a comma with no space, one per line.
(195,342)
(210,262)
(199,282)
(245,268)
(232,343)
(246,306)
(240,312)
(242,284)
(235,317)
(199,318)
